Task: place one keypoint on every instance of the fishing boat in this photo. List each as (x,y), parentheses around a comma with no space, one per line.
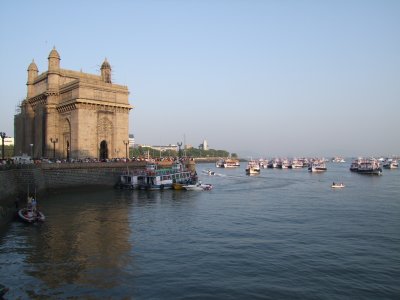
(252,168)
(336,185)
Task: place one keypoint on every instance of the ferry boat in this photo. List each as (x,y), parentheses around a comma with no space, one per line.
(152,178)
(227,163)
(355,164)
(369,166)
(252,168)
(159,179)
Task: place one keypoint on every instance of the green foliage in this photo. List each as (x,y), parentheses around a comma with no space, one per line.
(192,152)
(8,151)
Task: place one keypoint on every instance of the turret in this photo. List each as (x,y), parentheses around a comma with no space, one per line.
(32,74)
(54,71)
(106,71)
(54,60)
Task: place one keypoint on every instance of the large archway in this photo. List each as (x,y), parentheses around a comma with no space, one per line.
(103,150)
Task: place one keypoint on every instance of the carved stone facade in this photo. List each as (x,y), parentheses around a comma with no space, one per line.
(71,114)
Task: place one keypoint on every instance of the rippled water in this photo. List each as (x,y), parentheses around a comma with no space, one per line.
(281,234)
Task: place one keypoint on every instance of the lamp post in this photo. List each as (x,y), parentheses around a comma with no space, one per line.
(2,135)
(31,150)
(54,141)
(126,143)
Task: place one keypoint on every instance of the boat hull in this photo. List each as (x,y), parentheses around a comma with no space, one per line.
(30,217)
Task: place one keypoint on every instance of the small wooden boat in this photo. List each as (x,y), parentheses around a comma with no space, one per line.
(31,216)
(337,185)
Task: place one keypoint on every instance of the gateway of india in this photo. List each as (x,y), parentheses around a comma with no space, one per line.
(71,114)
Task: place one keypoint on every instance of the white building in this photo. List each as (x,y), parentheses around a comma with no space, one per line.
(204,146)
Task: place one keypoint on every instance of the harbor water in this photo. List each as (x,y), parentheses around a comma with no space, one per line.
(283,234)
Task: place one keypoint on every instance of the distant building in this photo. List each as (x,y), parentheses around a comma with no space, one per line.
(72,113)
(8,141)
(131,141)
(203,146)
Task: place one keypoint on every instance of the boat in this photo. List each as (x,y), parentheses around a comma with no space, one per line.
(390,164)
(209,172)
(355,164)
(198,187)
(336,185)
(317,166)
(252,168)
(227,163)
(30,215)
(220,163)
(232,163)
(158,179)
(369,166)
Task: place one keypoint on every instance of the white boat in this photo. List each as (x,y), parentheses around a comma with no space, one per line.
(252,168)
(198,187)
(317,166)
(209,172)
(336,185)
(391,164)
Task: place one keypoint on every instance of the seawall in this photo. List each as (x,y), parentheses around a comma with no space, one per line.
(15,179)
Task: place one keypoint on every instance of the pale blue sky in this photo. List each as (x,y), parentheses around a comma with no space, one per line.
(261,78)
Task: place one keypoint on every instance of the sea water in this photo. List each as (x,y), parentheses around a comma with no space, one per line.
(283,234)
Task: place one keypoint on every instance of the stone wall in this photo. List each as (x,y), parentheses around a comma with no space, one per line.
(14,180)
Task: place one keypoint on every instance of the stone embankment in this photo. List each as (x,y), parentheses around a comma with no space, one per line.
(14,180)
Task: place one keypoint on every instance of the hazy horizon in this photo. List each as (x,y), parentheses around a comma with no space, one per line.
(256,78)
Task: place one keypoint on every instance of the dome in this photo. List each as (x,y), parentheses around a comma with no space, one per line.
(33,66)
(105,65)
(54,54)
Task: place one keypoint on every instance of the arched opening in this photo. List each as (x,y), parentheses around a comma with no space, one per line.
(103,150)
(67,150)
(67,139)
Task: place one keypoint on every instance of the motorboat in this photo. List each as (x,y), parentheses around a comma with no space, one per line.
(336,185)
(198,187)
(209,172)
(252,168)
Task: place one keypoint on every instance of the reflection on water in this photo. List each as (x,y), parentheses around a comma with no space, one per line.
(282,234)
